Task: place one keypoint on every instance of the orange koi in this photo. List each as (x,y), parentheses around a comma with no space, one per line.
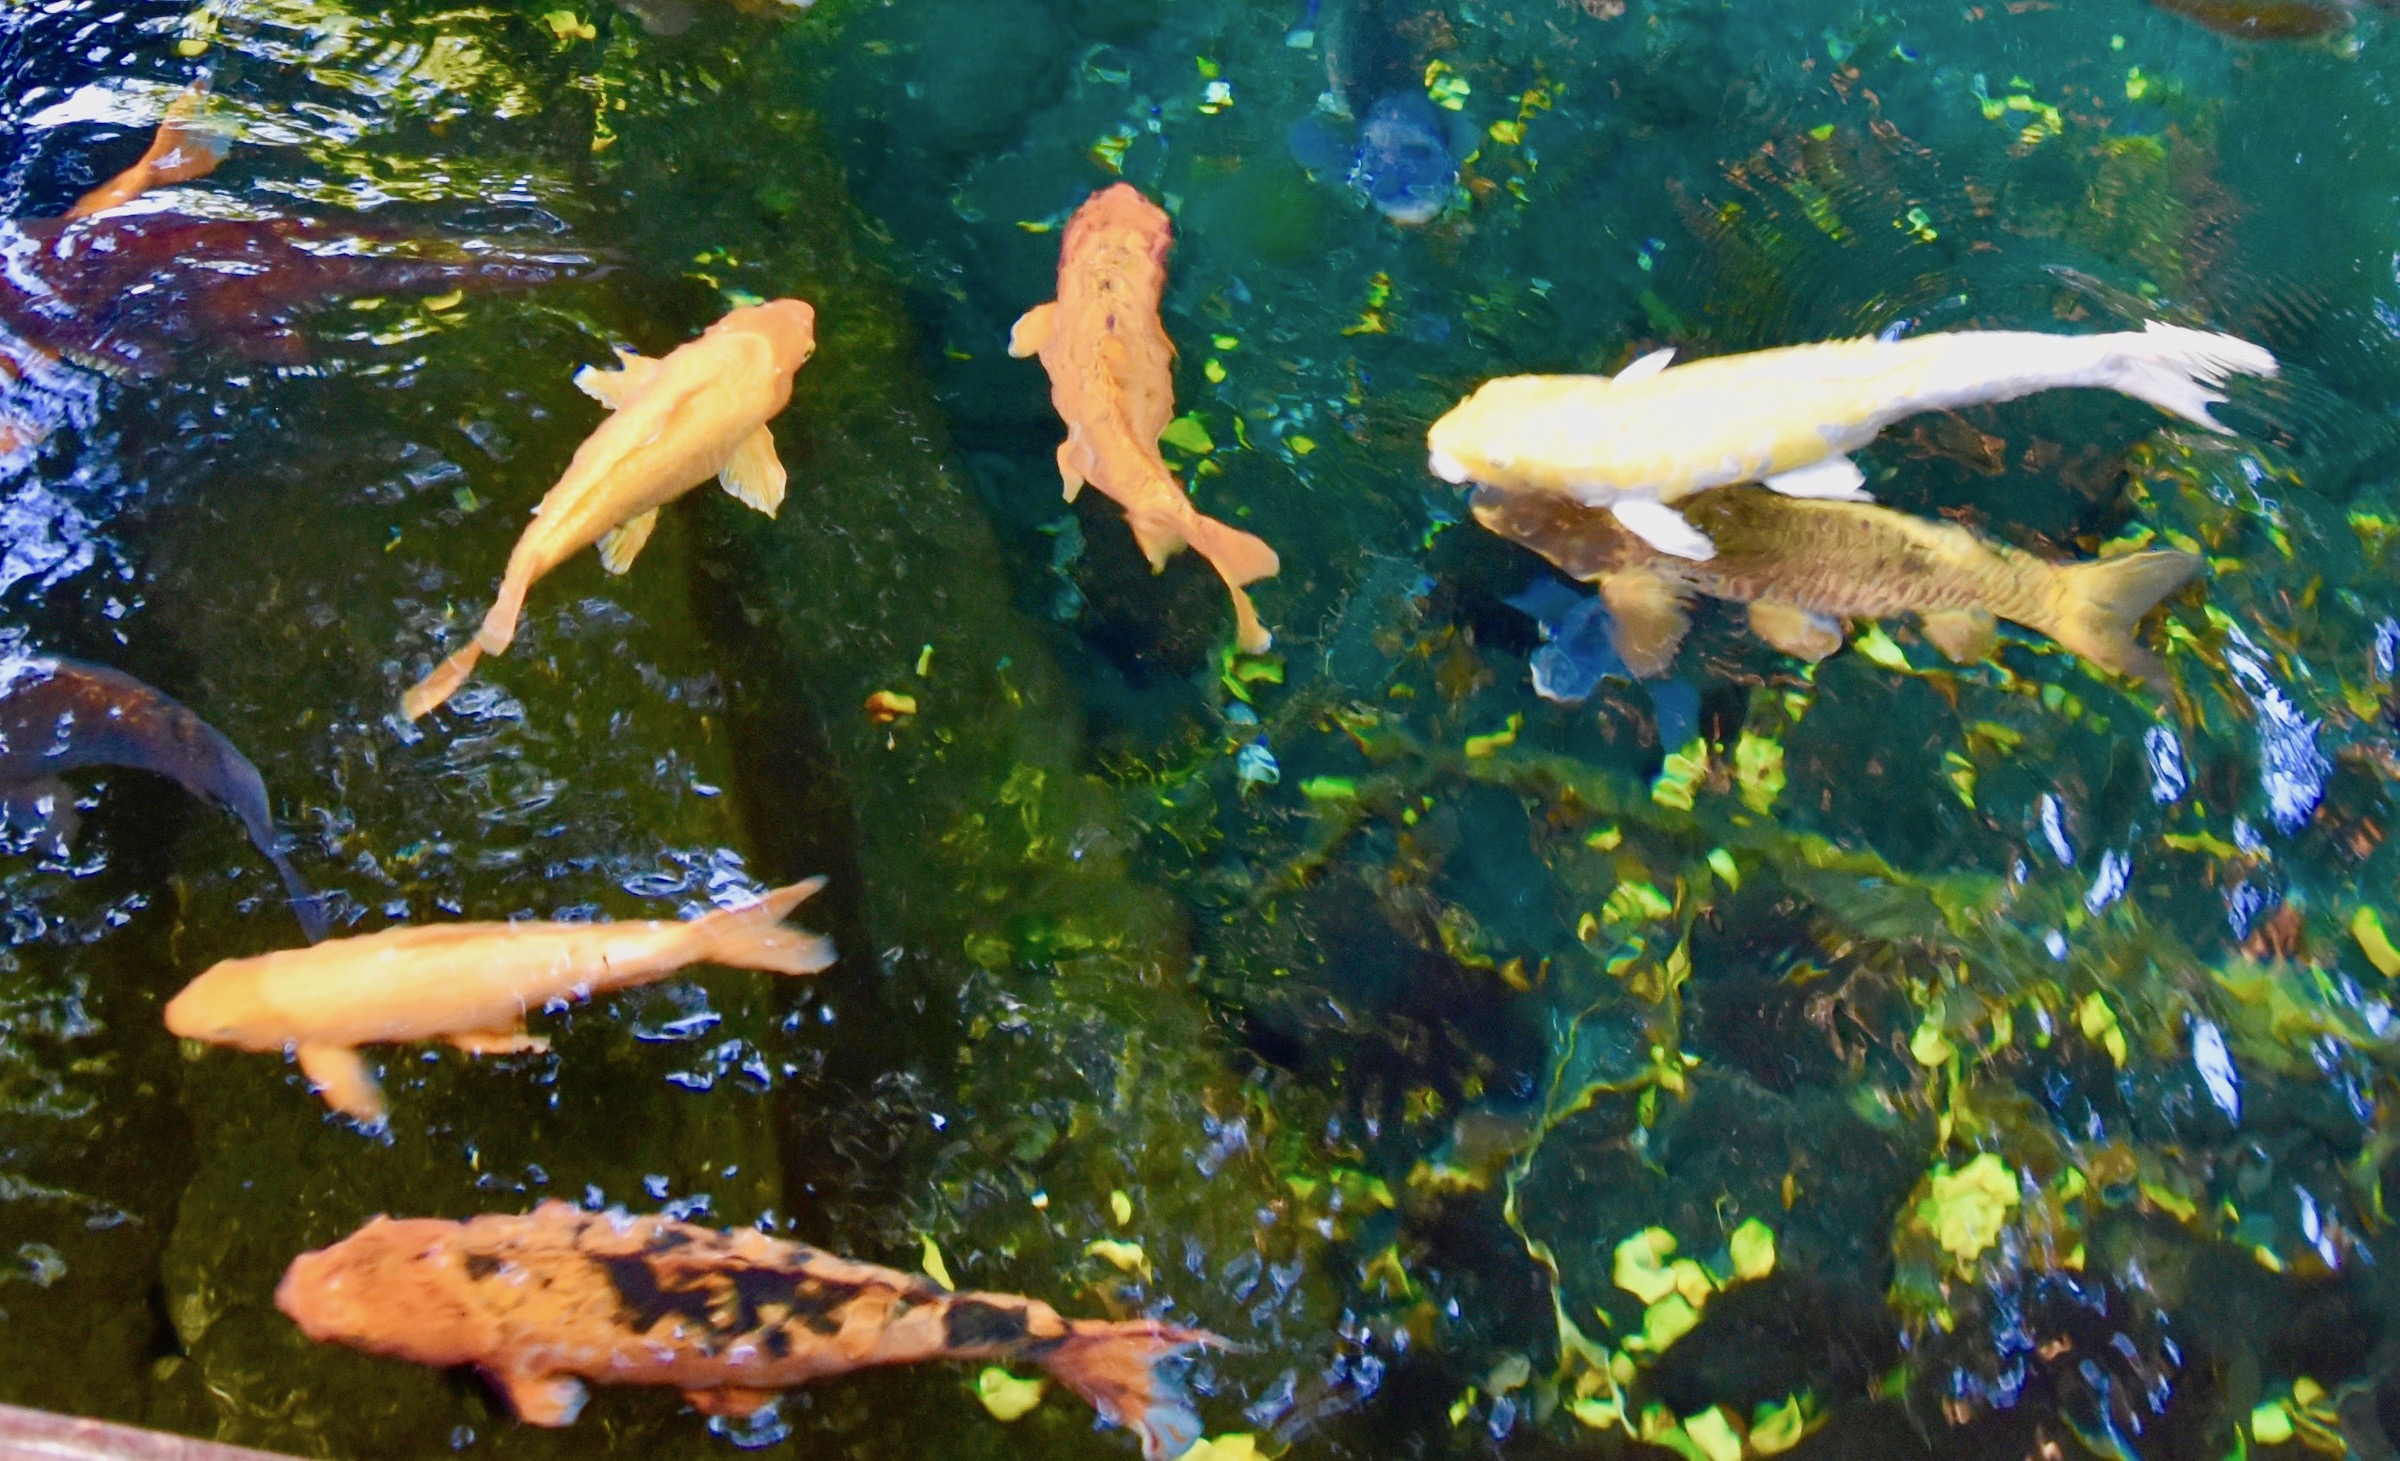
(1112,382)
(542,1302)
(699,412)
(470,984)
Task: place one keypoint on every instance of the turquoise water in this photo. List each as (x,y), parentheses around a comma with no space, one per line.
(1388,1046)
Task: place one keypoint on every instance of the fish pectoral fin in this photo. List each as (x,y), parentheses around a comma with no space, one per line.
(44,807)
(754,474)
(1650,620)
(1835,478)
(1070,452)
(731,1400)
(1032,330)
(620,545)
(1646,367)
(546,1400)
(499,1042)
(1796,632)
(1966,635)
(1663,528)
(338,1074)
(613,388)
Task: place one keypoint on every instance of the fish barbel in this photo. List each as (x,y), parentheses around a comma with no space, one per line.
(700,411)
(470,984)
(1112,381)
(1803,567)
(1656,433)
(542,1302)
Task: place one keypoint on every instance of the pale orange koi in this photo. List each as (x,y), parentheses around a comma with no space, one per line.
(470,984)
(1112,382)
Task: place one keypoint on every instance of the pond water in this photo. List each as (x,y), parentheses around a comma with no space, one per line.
(1401,1014)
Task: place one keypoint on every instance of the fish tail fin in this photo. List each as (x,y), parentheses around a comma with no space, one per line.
(1114,1366)
(754,937)
(1240,558)
(498,631)
(189,145)
(435,690)
(2174,368)
(2099,604)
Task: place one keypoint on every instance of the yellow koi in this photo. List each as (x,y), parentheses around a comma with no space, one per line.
(699,412)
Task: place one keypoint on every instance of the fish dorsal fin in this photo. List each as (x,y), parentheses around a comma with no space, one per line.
(1032,330)
(620,545)
(1644,368)
(754,474)
(613,388)
(1833,479)
(1650,620)
(1663,528)
(336,1073)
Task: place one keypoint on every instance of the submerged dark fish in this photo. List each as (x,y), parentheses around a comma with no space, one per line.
(124,289)
(57,715)
(543,1302)
(1579,650)
(2261,20)
(1403,156)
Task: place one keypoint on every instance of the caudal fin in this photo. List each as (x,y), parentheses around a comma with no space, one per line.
(187,146)
(2099,605)
(435,690)
(755,937)
(1239,559)
(1115,1367)
(499,629)
(2173,368)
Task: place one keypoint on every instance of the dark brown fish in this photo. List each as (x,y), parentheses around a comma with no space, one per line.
(57,715)
(542,1302)
(2261,20)
(126,291)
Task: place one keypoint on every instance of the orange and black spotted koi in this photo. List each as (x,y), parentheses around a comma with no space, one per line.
(544,1301)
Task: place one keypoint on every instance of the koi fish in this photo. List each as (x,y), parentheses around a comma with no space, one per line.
(1373,127)
(1653,435)
(674,17)
(1803,567)
(469,984)
(122,291)
(57,715)
(701,411)
(185,148)
(1111,380)
(2261,20)
(542,1302)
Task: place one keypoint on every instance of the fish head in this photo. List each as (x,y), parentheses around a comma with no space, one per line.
(396,1286)
(789,326)
(1405,165)
(1472,442)
(1510,427)
(226,1007)
(1117,230)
